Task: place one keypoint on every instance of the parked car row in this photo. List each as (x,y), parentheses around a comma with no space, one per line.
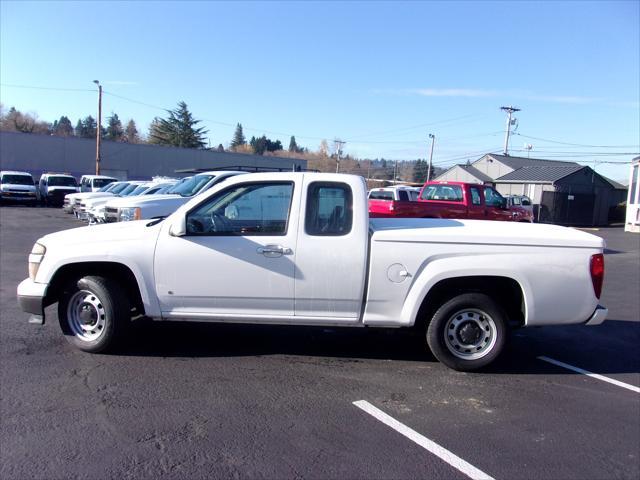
(137,200)
(448,200)
(50,189)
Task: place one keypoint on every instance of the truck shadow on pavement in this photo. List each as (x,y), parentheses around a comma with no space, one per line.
(609,348)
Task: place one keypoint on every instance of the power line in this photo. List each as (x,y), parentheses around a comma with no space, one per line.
(575,144)
(33,87)
(404,129)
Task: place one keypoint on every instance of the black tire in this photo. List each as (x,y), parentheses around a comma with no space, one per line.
(106,310)
(476,331)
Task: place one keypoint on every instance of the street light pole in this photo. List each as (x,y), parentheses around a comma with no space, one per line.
(433,140)
(98,128)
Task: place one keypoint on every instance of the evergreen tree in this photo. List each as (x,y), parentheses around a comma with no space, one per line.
(420,171)
(78,129)
(114,130)
(221,148)
(238,137)
(62,127)
(131,133)
(178,130)
(293,146)
(87,128)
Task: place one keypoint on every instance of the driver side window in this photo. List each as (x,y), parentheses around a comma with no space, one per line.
(247,209)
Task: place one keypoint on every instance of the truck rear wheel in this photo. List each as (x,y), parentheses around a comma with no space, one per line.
(93,313)
(467,332)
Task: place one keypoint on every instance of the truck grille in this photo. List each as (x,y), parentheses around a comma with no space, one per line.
(110,214)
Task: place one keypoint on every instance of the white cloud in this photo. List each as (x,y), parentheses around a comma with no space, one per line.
(507,94)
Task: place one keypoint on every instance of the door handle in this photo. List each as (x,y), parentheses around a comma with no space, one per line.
(273,251)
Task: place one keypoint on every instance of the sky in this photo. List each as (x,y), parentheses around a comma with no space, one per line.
(379,75)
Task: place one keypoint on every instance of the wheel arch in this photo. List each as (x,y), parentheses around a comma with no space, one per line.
(504,290)
(114,270)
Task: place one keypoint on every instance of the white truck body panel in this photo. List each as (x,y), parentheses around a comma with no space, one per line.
(321,280)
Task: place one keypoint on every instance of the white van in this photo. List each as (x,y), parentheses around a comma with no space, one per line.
(93,183)
(17,187)
(54,186)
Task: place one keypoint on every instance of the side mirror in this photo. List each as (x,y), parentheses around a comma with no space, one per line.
(178,226)
(503,204)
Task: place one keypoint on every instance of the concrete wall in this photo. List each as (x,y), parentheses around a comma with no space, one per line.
(40,153)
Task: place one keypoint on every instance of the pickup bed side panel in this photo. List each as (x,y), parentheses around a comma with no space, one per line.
(554,290)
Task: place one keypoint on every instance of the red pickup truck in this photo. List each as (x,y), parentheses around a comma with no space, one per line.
(451,200)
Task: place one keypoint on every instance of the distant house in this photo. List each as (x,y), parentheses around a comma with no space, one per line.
(564,192)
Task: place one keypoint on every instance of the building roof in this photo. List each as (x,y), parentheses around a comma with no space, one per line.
(541,173)
(483,177)
(519,162)
(471,170)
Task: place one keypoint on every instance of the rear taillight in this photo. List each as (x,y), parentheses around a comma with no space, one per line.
(597,273)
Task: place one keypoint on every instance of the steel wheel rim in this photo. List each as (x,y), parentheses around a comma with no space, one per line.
(470,334)
(86,316)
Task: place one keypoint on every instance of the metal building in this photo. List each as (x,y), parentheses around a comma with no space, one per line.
(41,153)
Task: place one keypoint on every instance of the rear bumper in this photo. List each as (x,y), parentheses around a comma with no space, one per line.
(31,298)
(599,316)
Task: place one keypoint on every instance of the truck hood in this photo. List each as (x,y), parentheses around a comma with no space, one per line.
(109,233)
(480,232)
(85,195)
(148,200)
(10,187)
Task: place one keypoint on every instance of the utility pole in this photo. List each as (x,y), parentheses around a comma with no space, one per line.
(395,171)
(98,132)
(510,110)
(338,146)
(433,141)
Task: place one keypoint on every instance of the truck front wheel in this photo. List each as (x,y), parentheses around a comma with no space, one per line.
(467,332)
(93,312)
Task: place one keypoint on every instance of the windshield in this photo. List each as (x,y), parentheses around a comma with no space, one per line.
(102,182)
(128,189)
(165,188)
(138,190)
(17,179)
(62,182)
(117,188)
(192,186)
(108,188)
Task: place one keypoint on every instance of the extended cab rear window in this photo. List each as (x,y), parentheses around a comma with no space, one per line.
(449,193)
(383,195)
(329,209)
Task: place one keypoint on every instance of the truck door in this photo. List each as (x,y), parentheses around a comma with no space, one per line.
(237,257)
(494,204)
(332,252)
(477,210)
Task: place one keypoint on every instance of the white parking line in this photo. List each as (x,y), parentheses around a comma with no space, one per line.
(452,459)
(590,374)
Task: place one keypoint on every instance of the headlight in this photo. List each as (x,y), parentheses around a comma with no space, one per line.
(35,258)
(127,214)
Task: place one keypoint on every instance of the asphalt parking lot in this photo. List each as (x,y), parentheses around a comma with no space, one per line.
(231,401)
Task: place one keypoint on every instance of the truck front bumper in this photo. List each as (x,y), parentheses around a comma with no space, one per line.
(32,298)
(598,316)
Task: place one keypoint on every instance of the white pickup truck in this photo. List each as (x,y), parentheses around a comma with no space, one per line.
(299,248)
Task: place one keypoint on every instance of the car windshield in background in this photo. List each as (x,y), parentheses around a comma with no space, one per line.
(192,186)
(165,189)
(138,190)
(62,182)
(118,188)
(102,182)
(17,179)
(128,189)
